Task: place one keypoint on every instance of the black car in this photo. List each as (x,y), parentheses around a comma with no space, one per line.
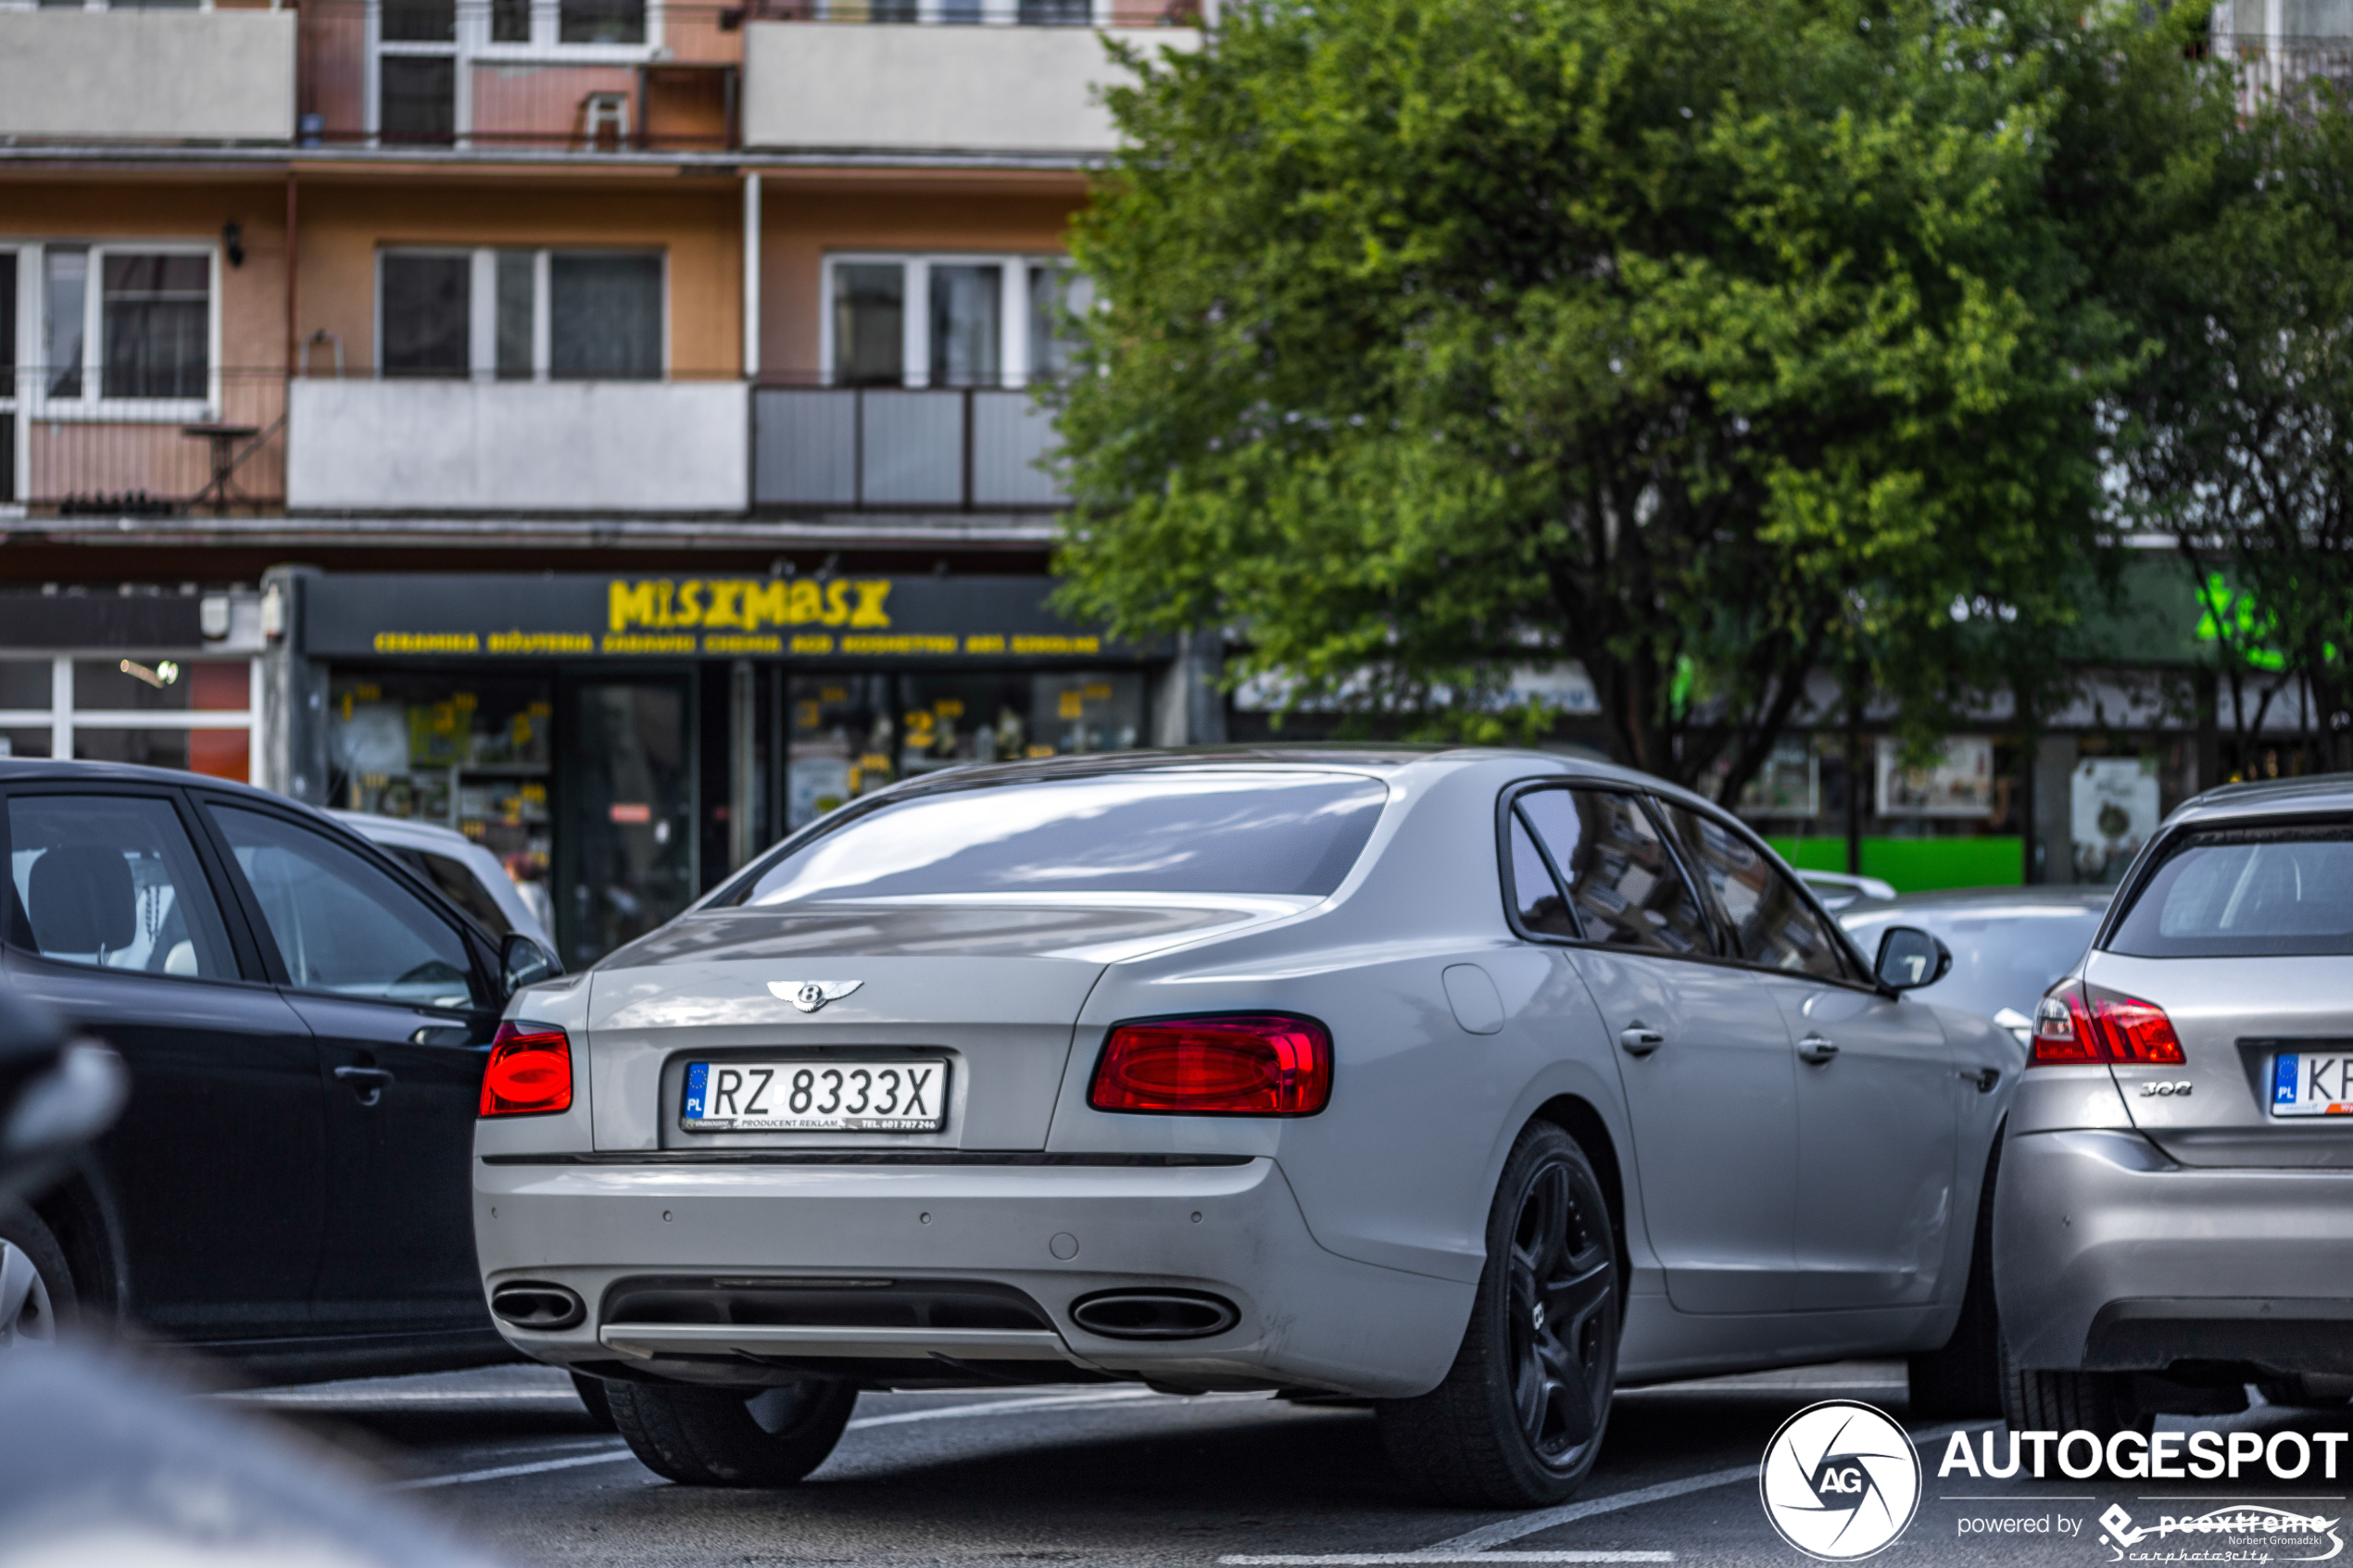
(306,1023)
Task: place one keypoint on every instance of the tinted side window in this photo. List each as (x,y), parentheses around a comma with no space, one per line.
(111,880)
(1624,888)
(1771,920)
(340,925)
(460,886)
(1535,896)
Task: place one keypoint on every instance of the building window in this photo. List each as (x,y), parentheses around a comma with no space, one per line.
(153,709)
(156,319)
(984,320)
(522,315)
(600,21)
(142,335)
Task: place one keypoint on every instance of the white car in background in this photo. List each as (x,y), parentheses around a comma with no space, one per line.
(466,874)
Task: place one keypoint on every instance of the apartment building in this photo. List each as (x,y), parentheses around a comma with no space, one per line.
(606,427)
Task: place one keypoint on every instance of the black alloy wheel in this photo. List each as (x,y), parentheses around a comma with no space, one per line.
(1563,1315)
(1520,1416)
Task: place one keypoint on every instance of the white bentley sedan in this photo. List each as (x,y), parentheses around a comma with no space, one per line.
(1469,1083)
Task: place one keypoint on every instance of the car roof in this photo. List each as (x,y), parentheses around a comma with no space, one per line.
(2316,794)
(1379,759)
(20,770)
(1983,900)
(386,830)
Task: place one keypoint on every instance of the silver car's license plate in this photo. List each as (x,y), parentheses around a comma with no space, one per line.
(2312,1083)
(833,1095)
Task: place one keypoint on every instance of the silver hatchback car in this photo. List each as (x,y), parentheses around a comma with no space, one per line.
(2176,1193)
(1468,1084)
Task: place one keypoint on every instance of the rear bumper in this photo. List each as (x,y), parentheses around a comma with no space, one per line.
(1308,1318)
(2108,1256)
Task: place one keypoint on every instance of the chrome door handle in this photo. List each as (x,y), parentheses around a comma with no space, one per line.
(368,1083)
(1640,1041)
(1816,1049)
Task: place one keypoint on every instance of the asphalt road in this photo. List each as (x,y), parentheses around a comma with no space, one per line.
(1120,1476)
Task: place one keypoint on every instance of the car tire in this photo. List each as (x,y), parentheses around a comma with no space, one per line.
(703,1437)
(1519,1419)
(593,1400)
(37,1298)
(2097,1403)
(1963,1380)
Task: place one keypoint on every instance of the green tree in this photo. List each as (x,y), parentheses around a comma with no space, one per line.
(1707,342)
(2240,440)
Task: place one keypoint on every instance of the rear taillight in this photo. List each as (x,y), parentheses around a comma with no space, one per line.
(1253,1064)
(529,1071)
(2082,1023)
(2133,1030)
(2062,1029)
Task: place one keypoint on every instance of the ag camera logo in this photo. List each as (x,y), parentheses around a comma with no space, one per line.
(1840,1480)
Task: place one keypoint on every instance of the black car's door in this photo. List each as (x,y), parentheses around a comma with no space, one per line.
(116,919)
(399,1002)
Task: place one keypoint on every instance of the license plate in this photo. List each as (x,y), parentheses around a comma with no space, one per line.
(2312,1083)
(832,1095)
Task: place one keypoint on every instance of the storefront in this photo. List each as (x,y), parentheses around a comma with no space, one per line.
(633,739)
(167,679)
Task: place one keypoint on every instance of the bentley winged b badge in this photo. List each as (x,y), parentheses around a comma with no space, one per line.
(810,995)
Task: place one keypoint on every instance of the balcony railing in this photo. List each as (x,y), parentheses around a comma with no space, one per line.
(137,75)
(221,450)
(640,75)
(900,449)
(2272,67)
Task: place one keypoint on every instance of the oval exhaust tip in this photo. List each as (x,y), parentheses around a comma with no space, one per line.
(537,1306)
(1155,1314)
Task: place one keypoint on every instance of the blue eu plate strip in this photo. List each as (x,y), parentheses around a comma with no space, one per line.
(2284,1070)
(697,1075)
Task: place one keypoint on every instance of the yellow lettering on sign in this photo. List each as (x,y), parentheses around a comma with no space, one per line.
(631,605)
(690,604)
(726,598)
(763,604)
(739,643)
(812,642)
(807,603)
(836,604)
(984,644)
(428,642)
(870,604)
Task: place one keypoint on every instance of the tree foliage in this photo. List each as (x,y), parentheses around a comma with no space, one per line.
(2240,438)
(1707,343)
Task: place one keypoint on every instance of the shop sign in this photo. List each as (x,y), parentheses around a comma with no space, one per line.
(833,620)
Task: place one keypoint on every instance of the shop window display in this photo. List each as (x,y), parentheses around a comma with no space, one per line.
(852,734)
(472,755)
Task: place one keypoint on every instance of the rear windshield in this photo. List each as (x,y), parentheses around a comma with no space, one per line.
(2245,893)
(1226,832)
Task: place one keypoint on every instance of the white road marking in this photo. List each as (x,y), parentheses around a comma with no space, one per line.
(502,1471)
(998,1407)
(1473,1545)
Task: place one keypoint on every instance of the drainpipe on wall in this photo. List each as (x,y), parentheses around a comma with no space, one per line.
(751,275)
(290,739)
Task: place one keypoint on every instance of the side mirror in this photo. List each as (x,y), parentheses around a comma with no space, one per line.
(522,961)
(1910,958)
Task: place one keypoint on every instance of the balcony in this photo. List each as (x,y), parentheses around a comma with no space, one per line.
(216,445)
(908,88)
(148,75)
(831,449)
(672,448)
(2274,67)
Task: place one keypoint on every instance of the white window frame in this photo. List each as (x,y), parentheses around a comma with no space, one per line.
(472,46)
(481,304)
(61,718)
(12,402)
(33,401)
(104,6)
(915,354)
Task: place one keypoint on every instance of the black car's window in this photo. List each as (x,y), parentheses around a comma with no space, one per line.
(1769,919)
(1218,831)
(111,880)
(1624,887)
(1535,895)
(342,925)
(458,886)
(2245,893)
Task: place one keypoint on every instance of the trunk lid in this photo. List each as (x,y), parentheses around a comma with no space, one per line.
(992,986)
(2233,1017)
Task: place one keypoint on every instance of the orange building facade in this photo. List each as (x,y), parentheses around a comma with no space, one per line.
(372,311)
